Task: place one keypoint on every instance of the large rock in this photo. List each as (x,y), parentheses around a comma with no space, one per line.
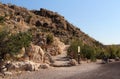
(73,62)
(30,66)
(8,73)
(23,65)
(44,66)
(35,53)
(117,59)
(56,48)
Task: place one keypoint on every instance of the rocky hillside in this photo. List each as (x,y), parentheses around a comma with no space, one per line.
(61,28)
(20,19)
(30,37)
(41,23)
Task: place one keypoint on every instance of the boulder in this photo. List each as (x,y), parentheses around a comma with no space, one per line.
(35,53)
(117,59)
(111,60)
(7,73)
(38,23)
(30,66)
(44,66)
(73,62)
(23,65)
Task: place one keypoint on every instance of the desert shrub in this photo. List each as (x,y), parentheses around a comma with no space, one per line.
(13,43)
(89,52)
(86,51)
(27,18)
(114,51)
(73,49)
(49,39)
(2,19)
(101,53)
(92,53)
(118,53)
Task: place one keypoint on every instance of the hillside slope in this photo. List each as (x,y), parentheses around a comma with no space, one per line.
(18,19)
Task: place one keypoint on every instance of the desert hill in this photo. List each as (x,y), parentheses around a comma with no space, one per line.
(20,19)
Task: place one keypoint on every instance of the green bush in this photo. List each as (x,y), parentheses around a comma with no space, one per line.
(49,38)
(2,19)
(86,51)
(73,49)
(114,51)
(13,43)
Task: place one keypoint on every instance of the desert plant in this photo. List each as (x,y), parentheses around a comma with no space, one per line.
(49,39)
(2,18)
(86,51)
(73,49)
(13,43)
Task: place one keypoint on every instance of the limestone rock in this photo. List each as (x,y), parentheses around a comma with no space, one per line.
(111,60)
(7,73)
(73,62)
(44,66)
(35,53)
(117,59)
(23,65)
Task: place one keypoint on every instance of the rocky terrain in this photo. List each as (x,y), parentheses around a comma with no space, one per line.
(50,32)
(51,35)
(21,19)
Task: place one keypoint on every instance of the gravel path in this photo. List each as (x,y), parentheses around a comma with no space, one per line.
(58,73)
(84,71)
(106,71)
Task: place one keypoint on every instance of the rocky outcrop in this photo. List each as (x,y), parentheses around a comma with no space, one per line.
(24,66)
(56,19)
(35,53)
(56,47)
(61,28)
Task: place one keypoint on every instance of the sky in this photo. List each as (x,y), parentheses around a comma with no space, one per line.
(100,19)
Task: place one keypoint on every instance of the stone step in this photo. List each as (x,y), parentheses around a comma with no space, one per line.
(61,65)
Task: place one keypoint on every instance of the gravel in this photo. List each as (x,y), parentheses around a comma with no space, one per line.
(58,73)
(82,71)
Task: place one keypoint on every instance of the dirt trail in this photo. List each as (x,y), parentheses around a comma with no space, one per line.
(82,71)
(62,59)
(59,73)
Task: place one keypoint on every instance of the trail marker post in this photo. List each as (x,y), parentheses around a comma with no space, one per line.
(78,54)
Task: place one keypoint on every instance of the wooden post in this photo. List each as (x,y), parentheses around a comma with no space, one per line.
(78,54)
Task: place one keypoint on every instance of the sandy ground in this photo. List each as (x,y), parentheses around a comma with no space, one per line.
(82,71)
